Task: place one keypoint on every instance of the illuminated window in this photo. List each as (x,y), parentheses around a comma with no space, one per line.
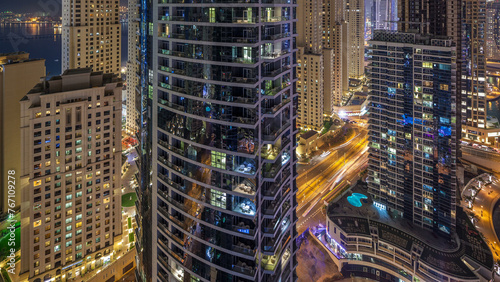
(37,223)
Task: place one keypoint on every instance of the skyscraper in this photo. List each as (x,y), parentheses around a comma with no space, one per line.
(133,66)
(474,111)
(220,97)
(71,156)
(413,124)
(18,74)
(380,14)
(91,35)
(310,70)
(355,16)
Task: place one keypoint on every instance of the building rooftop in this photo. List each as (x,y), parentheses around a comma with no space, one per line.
(309,134)
(15,58)
(441,253)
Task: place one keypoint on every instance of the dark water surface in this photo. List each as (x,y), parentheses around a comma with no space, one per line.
(42,41)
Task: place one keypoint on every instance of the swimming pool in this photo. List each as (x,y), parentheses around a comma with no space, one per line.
(355,199)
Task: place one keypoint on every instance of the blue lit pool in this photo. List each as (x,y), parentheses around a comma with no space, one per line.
(355,199)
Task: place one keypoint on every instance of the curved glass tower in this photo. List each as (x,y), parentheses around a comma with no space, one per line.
(223,114)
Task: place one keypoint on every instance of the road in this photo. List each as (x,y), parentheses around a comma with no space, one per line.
(350,159)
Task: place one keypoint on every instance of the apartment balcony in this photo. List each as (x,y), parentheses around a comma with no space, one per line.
(275,37)
(240,228)
(275,54)
(273,136)
(277,89)
(210,117)
(274,188)
(274,109)
(215,97)
(275,226)
(214,76)
(202,18)
(223,59)
(206,1)
(164,229)
(213,39)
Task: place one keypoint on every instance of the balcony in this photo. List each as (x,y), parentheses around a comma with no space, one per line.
(165,213)
(244,249)
(244,269)
(275,225)
(276,90)
(164,228)
(199,37)
(274,188)
(244,206)
(208,1)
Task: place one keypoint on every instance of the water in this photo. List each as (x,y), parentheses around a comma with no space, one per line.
(355,199)
(43,41)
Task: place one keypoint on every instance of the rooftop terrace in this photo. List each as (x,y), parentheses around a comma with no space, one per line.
(441,253)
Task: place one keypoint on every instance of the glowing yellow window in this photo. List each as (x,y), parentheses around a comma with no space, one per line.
(37,223)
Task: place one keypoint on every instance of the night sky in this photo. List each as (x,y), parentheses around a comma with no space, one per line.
(23,6)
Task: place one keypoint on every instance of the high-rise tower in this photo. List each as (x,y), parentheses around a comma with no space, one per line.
(219,94)
(133,65)
(311,69)
(413,124)
(91,35)
(493,30)
(475,126)
(355,16)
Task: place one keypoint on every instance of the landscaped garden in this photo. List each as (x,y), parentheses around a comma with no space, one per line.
(129,199)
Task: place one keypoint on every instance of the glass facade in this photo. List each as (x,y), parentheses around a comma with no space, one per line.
(224,105)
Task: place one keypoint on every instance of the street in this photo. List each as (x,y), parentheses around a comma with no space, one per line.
(320,182)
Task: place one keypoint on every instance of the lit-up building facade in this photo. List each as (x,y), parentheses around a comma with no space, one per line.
(71,158)
(412,128)
(219,105)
